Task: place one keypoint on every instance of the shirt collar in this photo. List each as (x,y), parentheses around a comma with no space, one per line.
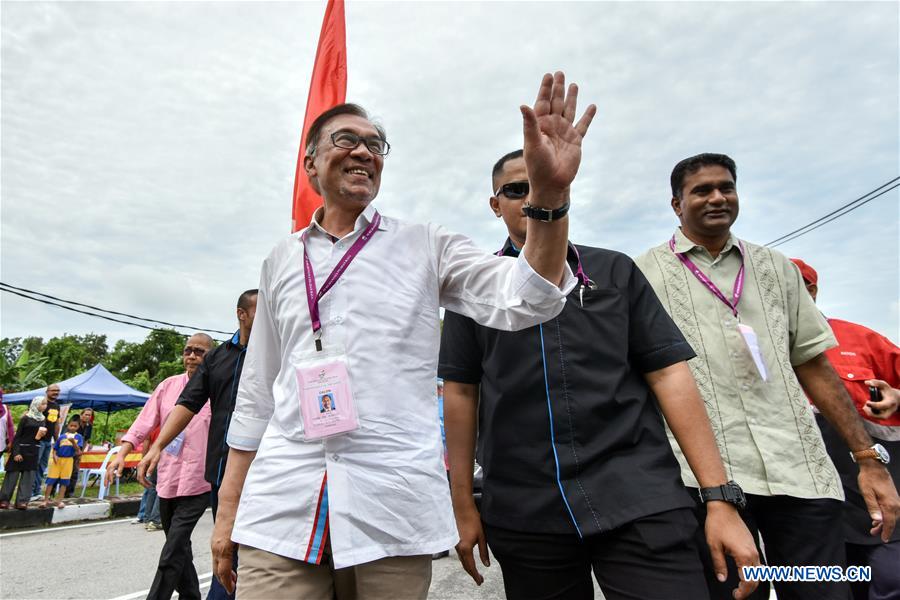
(684,245)
(236,339)
(509,249)
(362,221)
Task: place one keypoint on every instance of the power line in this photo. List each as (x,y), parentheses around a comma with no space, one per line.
(5,288)
(84,312)
(843,210)
(836,216)
(112,312)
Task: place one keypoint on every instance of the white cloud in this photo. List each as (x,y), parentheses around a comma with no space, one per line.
(148,149)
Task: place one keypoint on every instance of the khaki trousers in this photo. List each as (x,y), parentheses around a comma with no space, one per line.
(266,576)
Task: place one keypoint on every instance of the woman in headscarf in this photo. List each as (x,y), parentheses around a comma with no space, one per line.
(22,464)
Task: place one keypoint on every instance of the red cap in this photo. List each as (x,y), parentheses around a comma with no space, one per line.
(809,274)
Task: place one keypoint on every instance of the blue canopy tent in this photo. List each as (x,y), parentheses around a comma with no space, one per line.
(96,388)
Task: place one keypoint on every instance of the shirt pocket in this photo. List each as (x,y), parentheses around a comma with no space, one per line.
(854,373)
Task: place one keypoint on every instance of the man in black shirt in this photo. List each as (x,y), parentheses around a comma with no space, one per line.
(51,420)
(578,472)
(216,380)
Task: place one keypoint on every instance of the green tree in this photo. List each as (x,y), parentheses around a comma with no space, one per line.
(128,359)
(74,354)
(26,373)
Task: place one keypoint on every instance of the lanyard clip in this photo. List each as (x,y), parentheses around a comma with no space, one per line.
(318,338)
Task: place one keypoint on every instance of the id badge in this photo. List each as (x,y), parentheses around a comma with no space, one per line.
(326,401)
(174,447)
(752,343)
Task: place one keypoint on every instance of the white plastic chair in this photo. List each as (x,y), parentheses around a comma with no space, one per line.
(101,474)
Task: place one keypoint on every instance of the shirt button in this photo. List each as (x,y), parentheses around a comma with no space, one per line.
(745,387)
(339,245)
(752,421)
(339,319)
(335,458)
(849,375)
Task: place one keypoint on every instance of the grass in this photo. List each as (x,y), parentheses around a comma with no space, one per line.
(126,488)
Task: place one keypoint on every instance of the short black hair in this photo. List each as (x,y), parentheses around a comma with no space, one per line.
(348,108)
(498,166)
(75,419)
(691,165)
(244,299)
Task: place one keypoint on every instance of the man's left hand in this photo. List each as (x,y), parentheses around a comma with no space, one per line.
(887,406)
(726,533)
(880,494)
(553,139)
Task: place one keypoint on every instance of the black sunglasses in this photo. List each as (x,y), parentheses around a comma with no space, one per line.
(514,190)
(188,350)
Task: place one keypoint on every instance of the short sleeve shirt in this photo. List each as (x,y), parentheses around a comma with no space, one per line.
(51,417)
(765,429)
(570,437)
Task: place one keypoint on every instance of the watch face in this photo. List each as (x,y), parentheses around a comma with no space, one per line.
(882,453)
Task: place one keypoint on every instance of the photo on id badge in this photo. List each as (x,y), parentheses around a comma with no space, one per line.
(326,402)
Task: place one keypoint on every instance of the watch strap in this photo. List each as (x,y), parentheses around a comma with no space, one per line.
(545,214)
(868,453)
(730,492)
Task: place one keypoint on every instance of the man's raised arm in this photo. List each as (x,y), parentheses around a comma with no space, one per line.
(552,147)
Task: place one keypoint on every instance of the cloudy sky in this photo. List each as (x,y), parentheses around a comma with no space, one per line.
(148,149)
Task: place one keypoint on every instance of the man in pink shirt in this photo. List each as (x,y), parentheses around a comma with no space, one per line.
(183,491)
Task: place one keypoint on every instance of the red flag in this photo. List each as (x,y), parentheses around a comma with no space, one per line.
(328,88)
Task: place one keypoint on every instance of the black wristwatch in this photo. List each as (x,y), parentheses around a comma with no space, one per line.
(545,214)
(730,492)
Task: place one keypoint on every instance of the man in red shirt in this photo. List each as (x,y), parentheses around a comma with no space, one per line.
(865,360)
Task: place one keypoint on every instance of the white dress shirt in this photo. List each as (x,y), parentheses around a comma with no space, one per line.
(387,491)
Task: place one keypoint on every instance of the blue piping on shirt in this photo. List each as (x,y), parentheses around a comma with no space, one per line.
(234,340)
(553,435)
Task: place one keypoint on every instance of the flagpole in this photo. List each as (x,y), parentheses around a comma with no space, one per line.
(328,88)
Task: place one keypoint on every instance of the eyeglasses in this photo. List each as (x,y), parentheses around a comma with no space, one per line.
(188,350)
(349,141)
(514,190)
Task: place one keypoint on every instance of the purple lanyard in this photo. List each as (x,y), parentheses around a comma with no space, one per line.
(701,276)
(313,297)
(579,272)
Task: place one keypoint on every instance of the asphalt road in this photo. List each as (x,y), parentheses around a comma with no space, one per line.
(117,560)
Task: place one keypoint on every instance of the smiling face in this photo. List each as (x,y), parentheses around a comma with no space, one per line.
(708,204)
(350,178)
(510,209)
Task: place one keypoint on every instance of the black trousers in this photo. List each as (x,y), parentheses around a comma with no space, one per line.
(216,590)
(24,479)
(652,558)
(794,531)
(885,562)
(176,561)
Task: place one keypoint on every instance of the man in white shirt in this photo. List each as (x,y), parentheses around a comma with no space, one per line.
(360,513)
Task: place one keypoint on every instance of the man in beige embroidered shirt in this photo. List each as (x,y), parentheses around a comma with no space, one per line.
(760,344)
